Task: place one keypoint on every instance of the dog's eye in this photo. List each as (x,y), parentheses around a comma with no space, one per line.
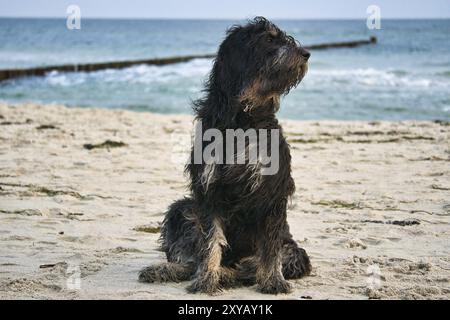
(269,38)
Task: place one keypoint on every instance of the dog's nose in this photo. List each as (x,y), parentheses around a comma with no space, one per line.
(305,54)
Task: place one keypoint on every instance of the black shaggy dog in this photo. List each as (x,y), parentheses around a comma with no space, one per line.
(232,229)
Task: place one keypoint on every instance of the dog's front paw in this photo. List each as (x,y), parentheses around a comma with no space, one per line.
(275,285)
(150,274)
(296,263)
(206,284)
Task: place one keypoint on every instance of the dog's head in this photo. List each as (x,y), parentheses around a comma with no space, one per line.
(258,61)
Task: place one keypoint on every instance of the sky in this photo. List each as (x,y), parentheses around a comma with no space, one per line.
(227,9)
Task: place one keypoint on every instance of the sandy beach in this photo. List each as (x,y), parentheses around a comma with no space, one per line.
(82,193)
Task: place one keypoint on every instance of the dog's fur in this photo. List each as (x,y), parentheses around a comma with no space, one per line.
(232,229)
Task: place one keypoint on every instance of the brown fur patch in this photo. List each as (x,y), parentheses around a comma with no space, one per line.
(253,95)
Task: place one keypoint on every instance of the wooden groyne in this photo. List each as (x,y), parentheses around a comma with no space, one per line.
(89,67)
(347,44)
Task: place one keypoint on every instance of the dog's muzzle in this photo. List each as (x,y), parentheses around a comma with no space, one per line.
(304,53)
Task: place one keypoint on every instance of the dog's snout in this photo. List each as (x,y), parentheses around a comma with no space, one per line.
(305,54)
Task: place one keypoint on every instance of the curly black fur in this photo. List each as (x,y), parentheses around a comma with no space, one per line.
(232,229)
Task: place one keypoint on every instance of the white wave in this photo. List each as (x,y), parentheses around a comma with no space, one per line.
(196,70)
(148,74)
(144,74)
(373,77)
(56,78)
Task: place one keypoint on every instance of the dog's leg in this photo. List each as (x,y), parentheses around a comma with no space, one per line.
(269,274)
(209,273)
(167,272)
(295,261)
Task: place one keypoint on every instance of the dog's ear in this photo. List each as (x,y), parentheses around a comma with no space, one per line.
(228,74)
(222,88)
(232,58)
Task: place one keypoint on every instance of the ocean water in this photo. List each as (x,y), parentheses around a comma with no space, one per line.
(405,76)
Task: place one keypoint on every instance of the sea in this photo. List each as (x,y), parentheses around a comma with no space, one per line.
(406,75)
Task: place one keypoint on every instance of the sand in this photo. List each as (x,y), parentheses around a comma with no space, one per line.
(372,205)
